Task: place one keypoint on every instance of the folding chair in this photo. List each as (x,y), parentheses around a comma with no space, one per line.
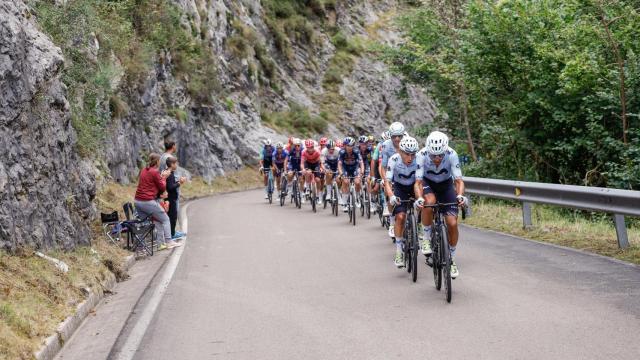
(111,226)
(141,235)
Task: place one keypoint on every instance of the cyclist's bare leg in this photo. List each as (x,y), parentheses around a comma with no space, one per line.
(399,226)
(452,226)
(276,176)
(358,183)
(427,215)
(345,191)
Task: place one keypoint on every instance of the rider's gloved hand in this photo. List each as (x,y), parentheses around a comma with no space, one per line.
(420,203)
(462,200)
(394,200)
(261,170)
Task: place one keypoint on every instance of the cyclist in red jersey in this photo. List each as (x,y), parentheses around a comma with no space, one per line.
(311,165)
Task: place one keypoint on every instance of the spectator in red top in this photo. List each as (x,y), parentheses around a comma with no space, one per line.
(151,184)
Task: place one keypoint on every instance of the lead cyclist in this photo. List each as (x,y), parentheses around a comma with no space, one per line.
(439,179)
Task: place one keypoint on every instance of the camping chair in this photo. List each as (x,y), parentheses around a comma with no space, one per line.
(111,226)
(141,236)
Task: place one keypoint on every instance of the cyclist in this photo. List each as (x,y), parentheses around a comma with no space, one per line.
(289,144)
(388,149)
(266,157)
(439,179)
(311,165)
(330,157)
(279,163)
(293,163)
(400,178)
(322,145)
(349,164)
(376,169)
(366,151)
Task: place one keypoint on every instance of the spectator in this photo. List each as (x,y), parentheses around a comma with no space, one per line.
(151,184)
(173,189)
(170,149)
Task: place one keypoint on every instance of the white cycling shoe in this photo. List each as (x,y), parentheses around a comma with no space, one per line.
(392,232)
(385,211)
(425,247)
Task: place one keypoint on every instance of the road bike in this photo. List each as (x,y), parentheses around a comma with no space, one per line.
(333,197)
(410,246)
(283,188)
(440,259)
(351,199)
(365,199)
(378,199)
(310,192)
(296,194)
(269,183)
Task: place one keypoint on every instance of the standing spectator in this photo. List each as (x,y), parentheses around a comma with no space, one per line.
(151,184)
(170,150)
(173,188)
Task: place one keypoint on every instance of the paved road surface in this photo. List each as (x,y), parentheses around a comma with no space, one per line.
(265,282)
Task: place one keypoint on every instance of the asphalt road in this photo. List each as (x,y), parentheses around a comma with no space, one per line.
(258,281)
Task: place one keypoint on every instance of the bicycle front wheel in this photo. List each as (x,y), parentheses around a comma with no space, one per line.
(413,241)
(436,257)
(353,205)
(313,197)
(446,262)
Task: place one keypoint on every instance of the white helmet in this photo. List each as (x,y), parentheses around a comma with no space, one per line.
(437,143)
(296,141)
(396,129)
(385,135)
(409,145)
(279,145)
(267,142)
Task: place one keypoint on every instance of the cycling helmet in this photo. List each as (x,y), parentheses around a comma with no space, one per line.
(296,141)
(409,145)
(362,139)
(267,142)
(279,145)
(349,141)
(396,129)
(437,143)
(385,135)
(291,139)
(323,141)
(330,144)
(371,139)
(308,143)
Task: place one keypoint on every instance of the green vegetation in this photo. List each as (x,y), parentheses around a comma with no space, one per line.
(539,90)
(179,114)
(138,33)
(592,232)
(295,121)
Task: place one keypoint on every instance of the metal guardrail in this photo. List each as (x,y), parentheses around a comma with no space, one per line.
(614,201)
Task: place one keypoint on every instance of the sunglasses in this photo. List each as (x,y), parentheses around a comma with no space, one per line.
(436,156)
(396,136)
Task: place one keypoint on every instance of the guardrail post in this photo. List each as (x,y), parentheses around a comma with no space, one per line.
(526,215)
(621,231)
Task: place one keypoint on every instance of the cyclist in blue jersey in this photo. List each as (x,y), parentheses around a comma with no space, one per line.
(350,165)
(366,151)
(294,163)
(439,179)
(400,177)
(388,149)
(266,157)
(279,159)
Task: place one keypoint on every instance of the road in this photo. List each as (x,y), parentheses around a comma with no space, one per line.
(258,281)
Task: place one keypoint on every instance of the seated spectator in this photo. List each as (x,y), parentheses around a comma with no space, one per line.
(151,184)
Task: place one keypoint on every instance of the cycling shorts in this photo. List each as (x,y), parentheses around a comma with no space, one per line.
(403,192)
(351,171)
(293,167)
(445,192)
(332,167)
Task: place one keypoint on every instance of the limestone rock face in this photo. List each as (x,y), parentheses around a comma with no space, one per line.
(46,189)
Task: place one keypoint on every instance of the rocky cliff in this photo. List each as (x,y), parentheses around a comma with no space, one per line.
(90,87)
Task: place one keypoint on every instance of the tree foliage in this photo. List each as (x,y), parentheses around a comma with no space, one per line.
(552,87)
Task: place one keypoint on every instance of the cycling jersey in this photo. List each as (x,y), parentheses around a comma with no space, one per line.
(400,173)
(330,160)
(387,150)
(266,155)
(350,162)
(294,160)
(375,157)
(279,158)
(366,156)
(449,167)
(311,158)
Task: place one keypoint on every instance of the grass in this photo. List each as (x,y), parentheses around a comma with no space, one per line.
(593,233)
(297,120)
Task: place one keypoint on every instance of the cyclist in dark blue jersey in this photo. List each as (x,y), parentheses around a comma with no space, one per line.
(266,161)
(350,165)
(279,158)
(294,163)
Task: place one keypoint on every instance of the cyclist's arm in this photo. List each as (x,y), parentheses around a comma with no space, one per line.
(361,163)
(340,165)
(456,173)
(302,161)
(459,186)
(388,179)
(418,188)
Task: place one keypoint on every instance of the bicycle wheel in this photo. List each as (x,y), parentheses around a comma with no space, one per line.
(367,203)
(436,257)
(446,262)
(270,189)
(324,198)
(353,205)
(313,196)
(283,187)
(295,193)
(334,200)
(413,240)
(361,201)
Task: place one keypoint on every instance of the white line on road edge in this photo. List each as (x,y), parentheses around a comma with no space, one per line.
(128,350)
